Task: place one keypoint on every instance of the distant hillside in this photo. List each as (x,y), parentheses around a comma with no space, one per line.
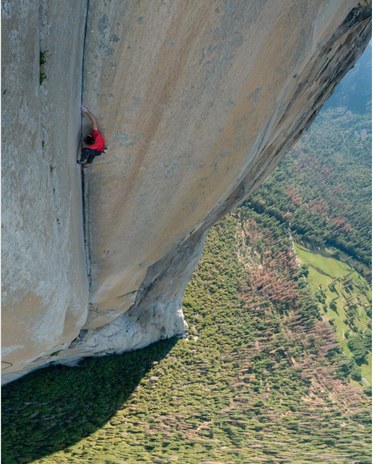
(322,188)
(355,90)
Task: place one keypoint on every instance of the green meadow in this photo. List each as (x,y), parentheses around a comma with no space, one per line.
(344,297)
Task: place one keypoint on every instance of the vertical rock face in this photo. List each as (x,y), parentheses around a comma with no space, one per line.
(45,287)
(197,102)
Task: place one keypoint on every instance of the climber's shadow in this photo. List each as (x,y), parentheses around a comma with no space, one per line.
(54,408)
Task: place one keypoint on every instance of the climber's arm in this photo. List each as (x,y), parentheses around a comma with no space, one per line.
(91,117)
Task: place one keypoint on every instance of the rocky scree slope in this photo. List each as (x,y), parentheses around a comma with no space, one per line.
(197,101)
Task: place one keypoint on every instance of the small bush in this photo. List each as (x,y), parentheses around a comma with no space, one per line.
(42,63)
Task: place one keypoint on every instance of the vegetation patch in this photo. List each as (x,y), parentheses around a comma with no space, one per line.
(344,298)
(43,55)
(322,188)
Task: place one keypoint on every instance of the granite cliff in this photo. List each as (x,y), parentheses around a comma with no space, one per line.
(197,100)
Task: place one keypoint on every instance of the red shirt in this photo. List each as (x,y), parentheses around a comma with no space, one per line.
(99,143)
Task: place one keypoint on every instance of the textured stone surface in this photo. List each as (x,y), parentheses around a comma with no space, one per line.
(44,277)
(197,101)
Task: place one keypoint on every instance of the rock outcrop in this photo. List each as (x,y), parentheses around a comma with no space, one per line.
(197,100)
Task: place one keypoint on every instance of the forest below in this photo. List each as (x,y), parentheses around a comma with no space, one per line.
(322,189)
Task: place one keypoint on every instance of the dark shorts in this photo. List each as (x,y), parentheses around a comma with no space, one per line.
(88,155)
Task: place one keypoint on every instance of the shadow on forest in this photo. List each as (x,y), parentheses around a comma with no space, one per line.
(53,408)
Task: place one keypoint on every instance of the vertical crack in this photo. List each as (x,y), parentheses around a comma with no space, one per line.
(84,181)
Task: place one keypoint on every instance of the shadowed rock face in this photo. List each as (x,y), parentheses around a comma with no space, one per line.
(197,102)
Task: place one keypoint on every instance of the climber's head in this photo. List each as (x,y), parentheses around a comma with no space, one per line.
(89,140)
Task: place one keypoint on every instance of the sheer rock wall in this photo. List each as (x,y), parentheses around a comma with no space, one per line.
(197,102)
(44,272)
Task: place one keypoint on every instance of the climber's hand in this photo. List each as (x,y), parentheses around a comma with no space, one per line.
(84,109)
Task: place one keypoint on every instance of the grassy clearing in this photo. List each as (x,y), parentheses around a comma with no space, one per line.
(326,266)
(344,298)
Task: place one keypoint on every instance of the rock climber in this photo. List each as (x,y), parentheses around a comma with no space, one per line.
(95,142)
